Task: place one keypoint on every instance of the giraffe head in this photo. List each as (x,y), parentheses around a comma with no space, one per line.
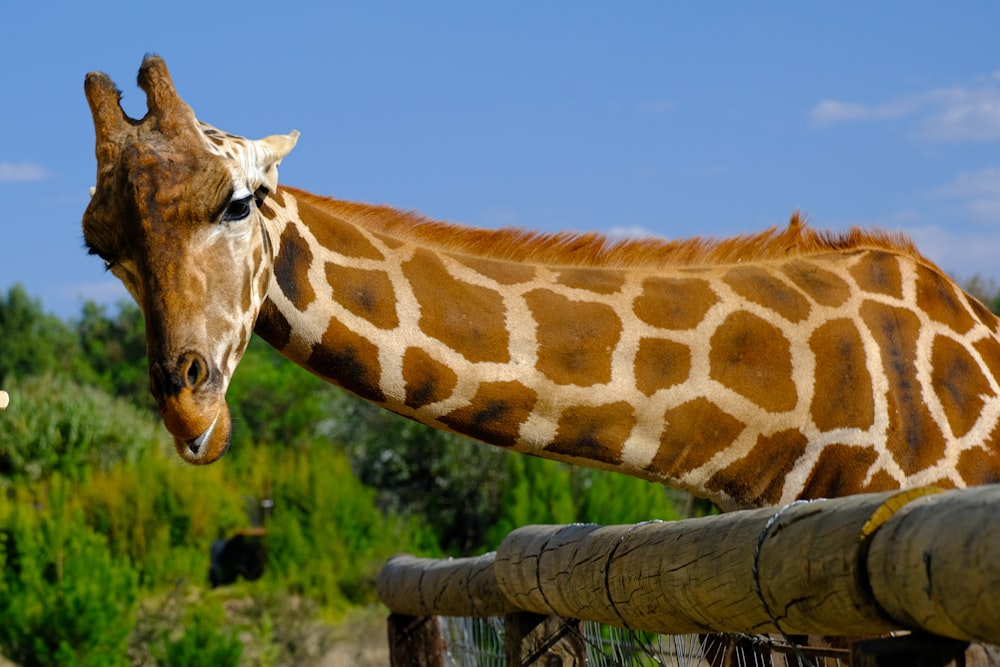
(175,216)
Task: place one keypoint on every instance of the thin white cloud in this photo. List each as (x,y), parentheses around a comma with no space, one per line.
(21,172)
(963,254)
(831,112)
(976,193)
(972,184)
(957,113)
(628,232)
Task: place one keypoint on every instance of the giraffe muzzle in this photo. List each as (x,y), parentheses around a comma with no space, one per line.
(192,408)
(211,444)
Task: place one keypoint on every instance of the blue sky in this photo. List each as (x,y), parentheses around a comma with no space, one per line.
(672,119)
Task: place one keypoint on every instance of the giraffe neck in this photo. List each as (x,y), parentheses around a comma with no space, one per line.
(792,375)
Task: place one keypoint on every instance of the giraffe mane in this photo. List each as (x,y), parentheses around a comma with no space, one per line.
(592,249)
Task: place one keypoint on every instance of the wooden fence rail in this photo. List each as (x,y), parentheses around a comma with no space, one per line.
(864,565)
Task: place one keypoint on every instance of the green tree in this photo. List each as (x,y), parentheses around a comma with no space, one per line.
(607,497)
(273,401)
(451,482)
(114,348)
(33,342)
(538,491)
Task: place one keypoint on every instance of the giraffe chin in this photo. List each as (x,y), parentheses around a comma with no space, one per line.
(211,444)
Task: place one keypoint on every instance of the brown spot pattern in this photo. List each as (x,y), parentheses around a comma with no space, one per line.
(937,296)
(367,294)
(600,281)
(882,481)
(989,351)
(246,294)
(842,397)
(660,364)
(695,431)
(427,380)
(674,303)
(751,483)
(494,414)
(291,268)
(267,210)
(979,466)
(841,471)
(753,358)
(759,286)
(915,440)
(983,313)
(575,338)
(822,286)
(337,235)
(272,326)
(349,360)
(958,384)
(878,272)
(467,318)
(595,433)
(505,273)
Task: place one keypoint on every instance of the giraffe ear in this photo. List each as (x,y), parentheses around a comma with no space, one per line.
(272,150)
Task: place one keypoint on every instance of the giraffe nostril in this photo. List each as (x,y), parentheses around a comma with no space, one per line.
(194,373)
(193,370)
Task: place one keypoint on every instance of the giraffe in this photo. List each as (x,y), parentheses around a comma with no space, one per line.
(752,371)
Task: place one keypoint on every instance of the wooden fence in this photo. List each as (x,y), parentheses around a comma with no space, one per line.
(918,560)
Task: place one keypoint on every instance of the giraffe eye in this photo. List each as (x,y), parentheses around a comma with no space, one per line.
(238,209)
(109,262)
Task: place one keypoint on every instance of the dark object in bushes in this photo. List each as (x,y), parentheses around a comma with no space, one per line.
(242,555)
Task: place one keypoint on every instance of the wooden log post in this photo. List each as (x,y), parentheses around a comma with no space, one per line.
(793,570)
(863,565)
(935,564)
(415,641)
(533,639)
(442,587)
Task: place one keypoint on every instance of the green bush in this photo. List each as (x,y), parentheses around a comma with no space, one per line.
(326,538)
(204,643)
(163,514)
(64,600)
(54,425)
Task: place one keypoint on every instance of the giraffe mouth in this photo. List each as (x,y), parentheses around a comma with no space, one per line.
(211,444)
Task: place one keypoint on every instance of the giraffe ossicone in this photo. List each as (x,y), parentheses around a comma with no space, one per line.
(755,370)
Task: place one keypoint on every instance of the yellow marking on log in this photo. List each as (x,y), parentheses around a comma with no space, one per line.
(891,506)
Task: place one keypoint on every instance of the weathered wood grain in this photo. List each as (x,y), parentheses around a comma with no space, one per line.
(861,565)
(935,564)
(442,587)
(797,570)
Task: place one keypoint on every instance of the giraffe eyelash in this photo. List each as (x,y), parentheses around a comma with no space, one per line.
(108,262)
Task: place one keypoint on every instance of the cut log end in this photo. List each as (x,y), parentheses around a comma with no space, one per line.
(4,400)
